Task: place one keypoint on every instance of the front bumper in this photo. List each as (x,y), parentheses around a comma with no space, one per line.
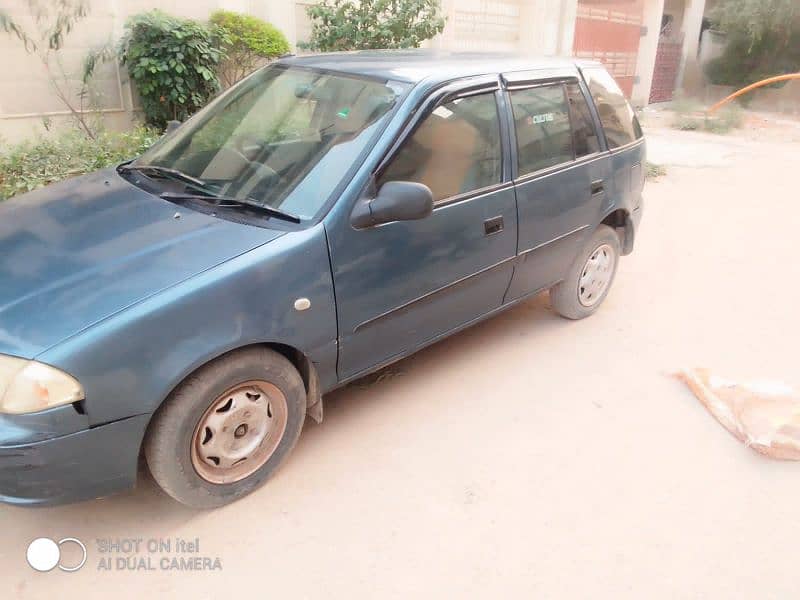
(81,465)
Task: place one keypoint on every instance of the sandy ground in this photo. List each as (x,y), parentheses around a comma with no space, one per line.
(529,456)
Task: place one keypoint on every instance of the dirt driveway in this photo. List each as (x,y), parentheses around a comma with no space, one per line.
(529,456)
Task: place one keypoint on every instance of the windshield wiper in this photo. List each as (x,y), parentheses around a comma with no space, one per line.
(231,202)
(169,172)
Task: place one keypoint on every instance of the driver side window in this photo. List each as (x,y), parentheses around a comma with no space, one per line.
(455,150)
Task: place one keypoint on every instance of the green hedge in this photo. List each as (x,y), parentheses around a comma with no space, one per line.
(762,40)
(249,42)
(36,163)
(173,63)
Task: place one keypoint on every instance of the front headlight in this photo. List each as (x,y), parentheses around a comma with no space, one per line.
(27,386)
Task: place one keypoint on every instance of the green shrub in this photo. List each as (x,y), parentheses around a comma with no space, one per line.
(654,171)
(725,119)
(689,115)
(250,42)
(366,24)
(762,40)
(687,122)
(173,63)
(32,164)
(739,65)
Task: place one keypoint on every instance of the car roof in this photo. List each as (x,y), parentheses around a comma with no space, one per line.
(432,65)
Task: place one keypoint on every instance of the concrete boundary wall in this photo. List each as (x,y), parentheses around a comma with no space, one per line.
(29,107)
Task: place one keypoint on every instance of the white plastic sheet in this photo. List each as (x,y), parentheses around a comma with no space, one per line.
(765,415)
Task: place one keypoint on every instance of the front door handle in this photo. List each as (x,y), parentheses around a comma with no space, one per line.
(597,187)
(493,225)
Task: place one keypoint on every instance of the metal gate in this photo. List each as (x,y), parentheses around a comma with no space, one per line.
(665,71)
(609,31)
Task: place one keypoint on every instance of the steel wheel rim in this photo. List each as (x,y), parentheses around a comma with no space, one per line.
(596,275)
(239,432)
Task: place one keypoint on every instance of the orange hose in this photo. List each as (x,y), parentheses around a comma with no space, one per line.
(753,86)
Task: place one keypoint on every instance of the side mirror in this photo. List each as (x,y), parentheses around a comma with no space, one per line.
(172,126)
(396,201)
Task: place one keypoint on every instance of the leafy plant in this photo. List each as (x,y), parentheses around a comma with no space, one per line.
(365,24)
(687,113)
(763,39)
(654,171)
(727,118)
(52,22)
(250,42)
(173,63)
(690,116)
(687,122)
(32,164)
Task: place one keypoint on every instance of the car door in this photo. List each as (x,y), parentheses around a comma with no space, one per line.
(560,173)
(403,284)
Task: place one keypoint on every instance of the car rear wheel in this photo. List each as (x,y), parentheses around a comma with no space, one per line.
(589,278)
(226,429)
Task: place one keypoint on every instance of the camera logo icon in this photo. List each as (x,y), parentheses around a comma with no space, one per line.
(44,554)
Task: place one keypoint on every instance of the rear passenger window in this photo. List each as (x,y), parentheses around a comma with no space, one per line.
(584,135)
(618,119)
(544,138)
(455,150)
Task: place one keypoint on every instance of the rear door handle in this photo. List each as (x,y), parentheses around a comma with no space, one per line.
(597,187)
(493,225)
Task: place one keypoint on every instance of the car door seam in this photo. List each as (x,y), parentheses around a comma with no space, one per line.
(337,339)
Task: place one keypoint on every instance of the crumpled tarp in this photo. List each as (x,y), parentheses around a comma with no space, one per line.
(765,415)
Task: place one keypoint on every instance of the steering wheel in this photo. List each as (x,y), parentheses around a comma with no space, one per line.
(246,144)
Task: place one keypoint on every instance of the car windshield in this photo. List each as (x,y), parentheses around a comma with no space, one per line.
(284,137)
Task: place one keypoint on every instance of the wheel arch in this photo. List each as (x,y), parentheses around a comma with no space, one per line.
(307,371)
(620,221)
(297,357)
(299,360)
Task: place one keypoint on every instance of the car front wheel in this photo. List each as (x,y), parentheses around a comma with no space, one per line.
(226,429)
(589,278)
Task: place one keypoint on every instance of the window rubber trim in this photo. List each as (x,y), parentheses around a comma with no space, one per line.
(564,166)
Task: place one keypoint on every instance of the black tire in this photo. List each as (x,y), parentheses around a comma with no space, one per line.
(170,435)
(565,296)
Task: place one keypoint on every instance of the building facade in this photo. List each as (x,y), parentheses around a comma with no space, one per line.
(627,35)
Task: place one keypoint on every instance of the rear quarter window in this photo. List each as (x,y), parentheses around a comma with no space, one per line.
(616,115)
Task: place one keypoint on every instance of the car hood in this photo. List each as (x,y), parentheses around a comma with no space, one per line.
(76,252)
